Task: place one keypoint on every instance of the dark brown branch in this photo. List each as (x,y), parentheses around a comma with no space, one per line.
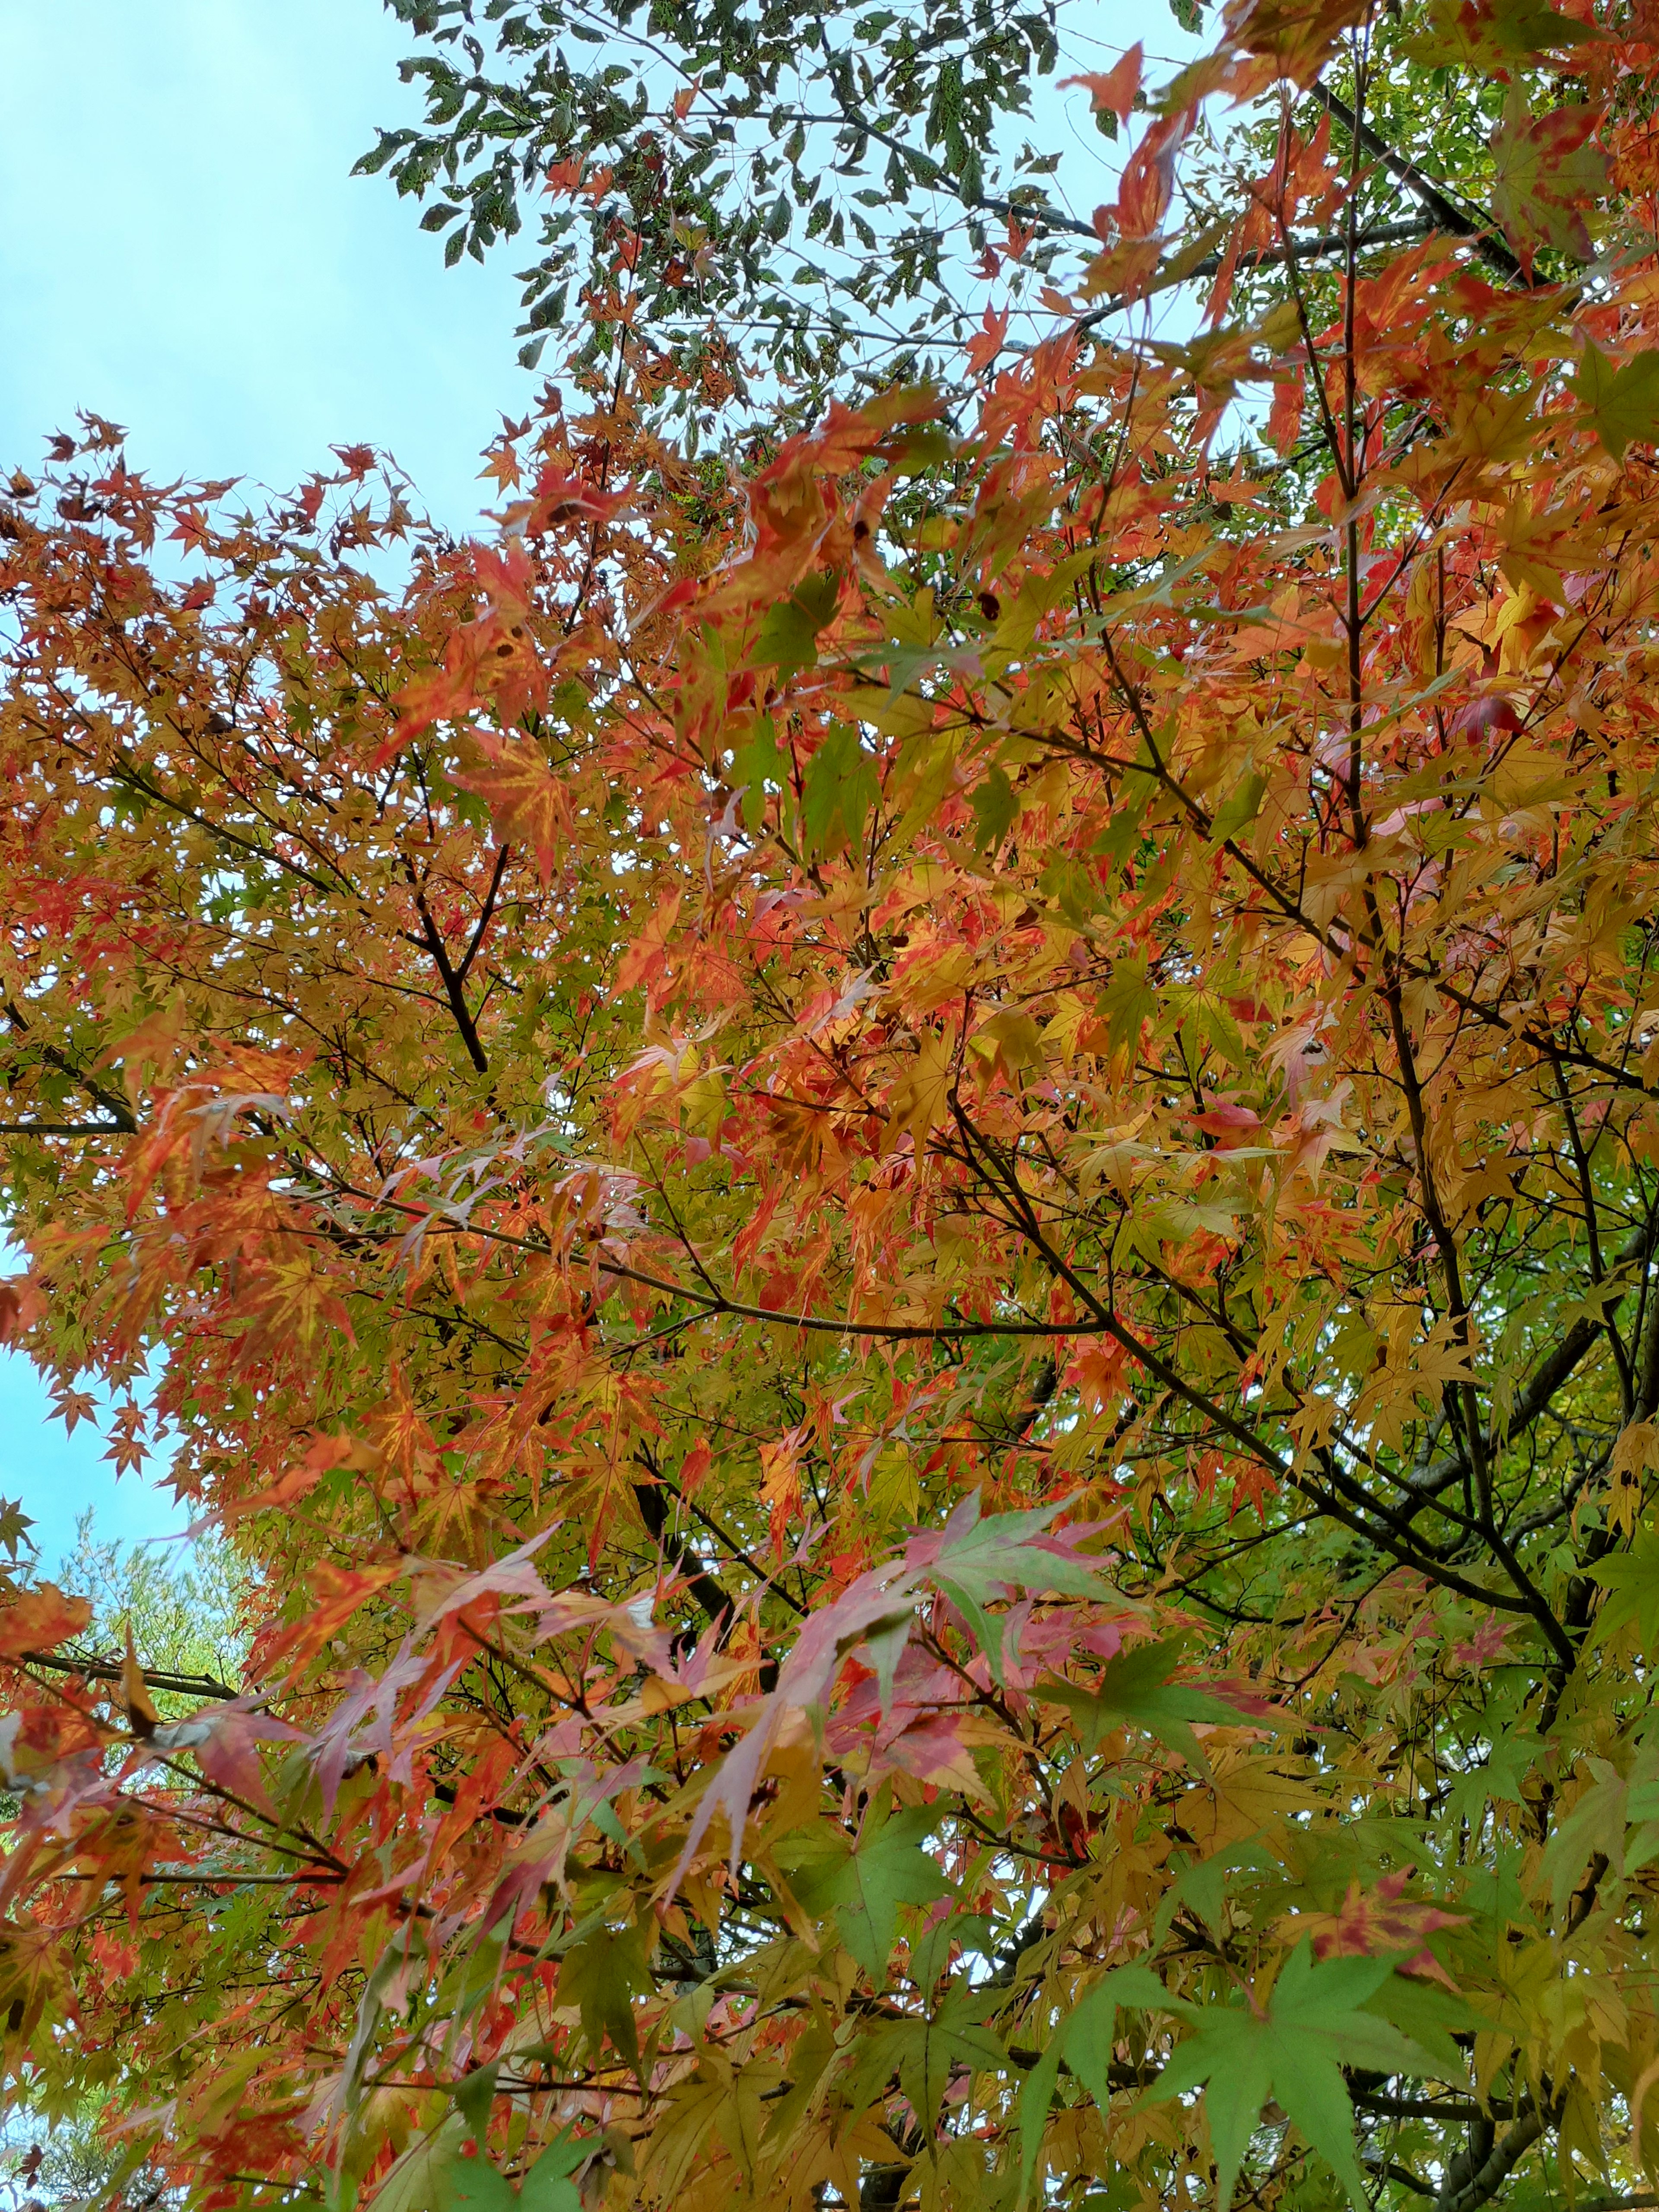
(490,897)
(451,983)
(1393,2171)
(64,1129)
(1446,215)
(1466,2191)
(114,1105)
(110,1670)
(710,1593)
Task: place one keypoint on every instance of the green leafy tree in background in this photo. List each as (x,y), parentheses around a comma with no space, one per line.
(186,1609)
(775,203)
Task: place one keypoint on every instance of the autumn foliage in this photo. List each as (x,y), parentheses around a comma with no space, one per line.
(908,1208)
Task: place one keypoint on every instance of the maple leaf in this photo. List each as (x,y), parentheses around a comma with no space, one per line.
(528,805)
(22,1304)
(1622,402)
(601,1976)
(1378,1922)
(1135,1687)
(972,993)
(1314,2024)
(1083,2042)
(1114,90)
(864,1882)
(788,636)
(920,1098)
(1546,174)
(1493,35)
(1297,36)
(840,789)
(1631,1578)
(14,1525)
(39,1620)
(971,1560)
(987,341)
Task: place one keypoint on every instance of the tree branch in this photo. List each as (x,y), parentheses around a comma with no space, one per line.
(120,1113)
(1465,2190)
(451,983)
(110,1670)
(1446,215)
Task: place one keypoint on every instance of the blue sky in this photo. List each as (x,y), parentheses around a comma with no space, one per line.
(184,249)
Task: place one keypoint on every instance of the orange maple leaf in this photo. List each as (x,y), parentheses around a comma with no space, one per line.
(39,1620)
(528,805)
(1114,88)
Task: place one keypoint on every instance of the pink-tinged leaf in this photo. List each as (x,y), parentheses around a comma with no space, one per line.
(1374,1924)
(439,1588)
(1547,175)
(528,805)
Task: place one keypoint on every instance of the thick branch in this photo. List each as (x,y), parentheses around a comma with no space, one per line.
(110,1670)
(1446,213)
(120,1113)
(63,1129)
(489,908)
(451,983)
(710,1593)
(1466,2191)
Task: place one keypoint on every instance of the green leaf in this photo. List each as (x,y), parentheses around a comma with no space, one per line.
(1623,403)
(1428,2016)
(13,1524)
(754,766)
(1203,1883)
(417,2182)
(840,788)
(1135,1687)
(1633,1578)
(978,1559)
(1494,37)
(1034,2099)
(472,2184)
(1084,2040)
(1314,2026)
(995,809)
(474,2096)
(888,1868)
(1128,1001)
(602,1975)
(549,2186)
(1545,176)
(1239,809)
(1238,2073)
(953,2039)
(864,1884)
(789,636)
(1087,2034)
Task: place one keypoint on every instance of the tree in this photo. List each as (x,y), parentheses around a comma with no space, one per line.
(185,1614)
(771,210)
(911,1208)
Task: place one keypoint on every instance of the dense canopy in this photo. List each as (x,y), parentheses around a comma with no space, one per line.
(905,1205)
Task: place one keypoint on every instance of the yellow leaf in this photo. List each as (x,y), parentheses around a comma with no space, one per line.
(921,1097)
(140,1710)
(1635,1451)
